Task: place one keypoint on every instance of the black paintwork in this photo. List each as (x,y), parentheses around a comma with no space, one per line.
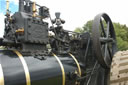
(46,72)
(12,68)
(29,34)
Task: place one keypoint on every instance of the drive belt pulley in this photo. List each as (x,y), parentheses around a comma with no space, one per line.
(103,39)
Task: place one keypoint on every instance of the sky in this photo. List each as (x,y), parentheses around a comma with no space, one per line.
(75,12)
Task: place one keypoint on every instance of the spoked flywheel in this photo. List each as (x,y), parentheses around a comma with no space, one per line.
(103,39)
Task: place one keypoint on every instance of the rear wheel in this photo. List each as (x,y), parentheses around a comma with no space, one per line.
(119,69)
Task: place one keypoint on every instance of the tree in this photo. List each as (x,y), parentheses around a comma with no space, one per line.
(121,36)
(1,47)
(121,33)
(86,28)
(79,30)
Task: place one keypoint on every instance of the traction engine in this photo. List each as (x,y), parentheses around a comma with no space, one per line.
(35,53)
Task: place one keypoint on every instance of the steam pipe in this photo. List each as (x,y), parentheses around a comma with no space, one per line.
(21,5)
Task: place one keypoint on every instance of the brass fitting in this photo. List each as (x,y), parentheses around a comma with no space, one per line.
(7,7)
(34,9)
(20,31)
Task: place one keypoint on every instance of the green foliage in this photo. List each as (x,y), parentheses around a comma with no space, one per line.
(79,30)
(121,36)
(86,28)
(1,47)
(121,33)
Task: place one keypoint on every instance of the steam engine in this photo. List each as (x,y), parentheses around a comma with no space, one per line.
(35,53)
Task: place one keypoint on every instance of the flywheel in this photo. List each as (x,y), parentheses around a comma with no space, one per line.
(103,39)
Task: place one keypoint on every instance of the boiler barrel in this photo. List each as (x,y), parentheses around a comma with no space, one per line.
(17,69)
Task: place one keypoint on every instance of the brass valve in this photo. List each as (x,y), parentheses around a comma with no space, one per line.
(34,9)
(20,31)
(7,7)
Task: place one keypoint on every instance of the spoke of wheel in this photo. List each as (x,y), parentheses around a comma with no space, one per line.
(110,53)
(108,27)
(105,51)
(107,30)
(107,58)
(102,27)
